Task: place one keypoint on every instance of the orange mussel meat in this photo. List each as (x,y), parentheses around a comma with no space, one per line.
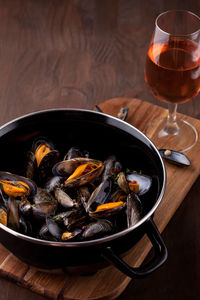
(15,188)
(41,151)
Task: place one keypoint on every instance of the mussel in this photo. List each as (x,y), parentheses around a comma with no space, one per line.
(78,171)
(62,216)
(3,217)
(76,220)
(13,214)
(16,186)
(68,235)
(100,195)
(73,152)
(63,198)
(45,234)
(122,182)
(139,183)
(118,195)
(107,209)
(25,207)
(122,114)
(53,183)
(54,228)
(25,226)
(41,159)
(57,232)
(42,196)
(83,196)
(97,229)
(175,157)
(109,167)
(134,209)
(44,204)
(41,211)
(135,182)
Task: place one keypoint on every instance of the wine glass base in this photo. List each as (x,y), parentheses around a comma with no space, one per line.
(181,138)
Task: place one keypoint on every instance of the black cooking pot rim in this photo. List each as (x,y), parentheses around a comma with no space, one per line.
(124,126)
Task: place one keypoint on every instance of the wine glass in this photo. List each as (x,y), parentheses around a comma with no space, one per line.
(172,73)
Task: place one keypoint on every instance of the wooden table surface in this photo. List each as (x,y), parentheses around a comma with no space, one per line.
(78,54)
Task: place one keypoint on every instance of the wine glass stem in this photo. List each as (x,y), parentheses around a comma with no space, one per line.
(171,126)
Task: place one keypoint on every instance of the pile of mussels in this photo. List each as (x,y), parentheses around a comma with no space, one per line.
(76,199)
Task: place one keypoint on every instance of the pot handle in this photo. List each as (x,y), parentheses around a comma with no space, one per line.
(160,255)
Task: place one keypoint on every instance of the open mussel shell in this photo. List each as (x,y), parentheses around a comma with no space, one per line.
(175,157)
(68,235)
(122,114)
(73,167)
(67,167)
(16,178)
(51,230)
(41,140)
(144,182)
(45,167)
(41,170)
(108,209)
(3,216)
(100,195)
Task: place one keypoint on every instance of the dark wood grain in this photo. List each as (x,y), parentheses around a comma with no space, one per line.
(80,53)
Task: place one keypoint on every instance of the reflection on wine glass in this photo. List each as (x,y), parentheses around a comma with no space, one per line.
(173,75)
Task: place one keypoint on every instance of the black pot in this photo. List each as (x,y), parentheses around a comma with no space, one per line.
(102,135)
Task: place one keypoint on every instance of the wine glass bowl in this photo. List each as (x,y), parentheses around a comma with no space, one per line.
(172,73)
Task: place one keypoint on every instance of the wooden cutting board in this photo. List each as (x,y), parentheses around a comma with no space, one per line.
(109,283)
